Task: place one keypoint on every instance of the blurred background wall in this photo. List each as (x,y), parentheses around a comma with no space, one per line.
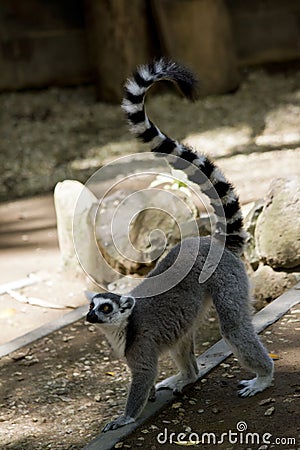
(68,42)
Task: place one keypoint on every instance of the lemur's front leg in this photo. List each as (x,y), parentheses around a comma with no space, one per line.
(140,388)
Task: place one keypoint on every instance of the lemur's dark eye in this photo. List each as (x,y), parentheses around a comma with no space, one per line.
(91,306)
(106,308)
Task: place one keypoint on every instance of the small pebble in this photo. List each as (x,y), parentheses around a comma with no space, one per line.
(109,392)
(176,405)
(269,411)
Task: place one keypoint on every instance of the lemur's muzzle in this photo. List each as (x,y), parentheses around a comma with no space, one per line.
(92,317)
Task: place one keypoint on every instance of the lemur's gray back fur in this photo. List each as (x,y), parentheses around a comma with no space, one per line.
(198,168)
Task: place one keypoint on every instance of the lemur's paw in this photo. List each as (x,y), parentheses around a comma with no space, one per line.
(252,387)
(117,423)
(175,383)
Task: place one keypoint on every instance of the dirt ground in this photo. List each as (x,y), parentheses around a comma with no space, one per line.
(60,391)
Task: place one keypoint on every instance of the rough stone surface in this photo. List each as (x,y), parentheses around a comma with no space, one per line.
(267,284)
(277,232)
(250,225)
(146,232)
(74,206)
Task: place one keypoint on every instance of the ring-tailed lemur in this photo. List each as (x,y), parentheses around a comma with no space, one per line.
(140,328)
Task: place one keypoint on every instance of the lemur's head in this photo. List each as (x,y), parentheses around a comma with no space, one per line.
(107,308)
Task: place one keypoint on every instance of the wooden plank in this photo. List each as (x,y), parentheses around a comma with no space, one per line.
(18,284)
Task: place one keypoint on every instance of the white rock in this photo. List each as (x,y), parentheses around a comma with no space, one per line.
(277,232)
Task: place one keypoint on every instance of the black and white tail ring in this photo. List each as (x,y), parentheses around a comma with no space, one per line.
(198,168)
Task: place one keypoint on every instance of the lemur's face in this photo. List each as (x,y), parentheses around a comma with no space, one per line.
(109,309)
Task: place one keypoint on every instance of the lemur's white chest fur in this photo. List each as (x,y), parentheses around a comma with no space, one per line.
(116,336)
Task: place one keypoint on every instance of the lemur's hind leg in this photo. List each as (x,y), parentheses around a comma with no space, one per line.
(184,357)
(152,394)
(246,345)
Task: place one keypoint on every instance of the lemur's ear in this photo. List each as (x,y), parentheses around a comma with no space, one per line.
(90,295)
(127,302)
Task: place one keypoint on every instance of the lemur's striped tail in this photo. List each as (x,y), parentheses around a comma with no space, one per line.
(198,168)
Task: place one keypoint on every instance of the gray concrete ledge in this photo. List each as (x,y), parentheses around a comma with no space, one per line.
(43,331)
